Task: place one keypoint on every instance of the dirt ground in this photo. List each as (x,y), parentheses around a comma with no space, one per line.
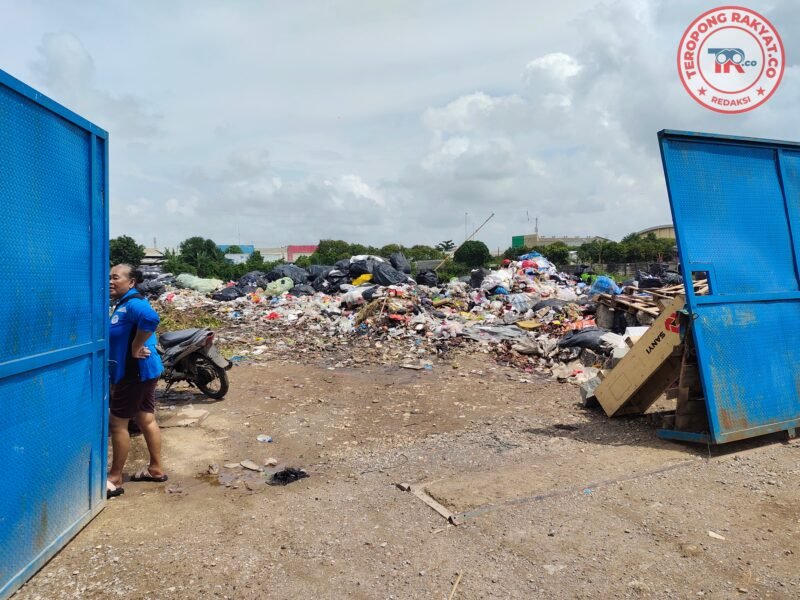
(551,500)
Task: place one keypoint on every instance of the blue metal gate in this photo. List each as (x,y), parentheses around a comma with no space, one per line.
(53,327)
(736,208)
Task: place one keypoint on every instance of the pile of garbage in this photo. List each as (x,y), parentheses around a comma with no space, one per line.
(368,308)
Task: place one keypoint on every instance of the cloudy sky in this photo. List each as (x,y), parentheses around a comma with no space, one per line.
(381,121)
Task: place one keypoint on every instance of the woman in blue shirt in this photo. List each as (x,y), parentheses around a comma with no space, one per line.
(135,367)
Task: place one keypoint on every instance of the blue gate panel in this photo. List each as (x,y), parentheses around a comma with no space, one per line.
(51,441)
(751,390)
(730,204)
(736,208)
(53,327)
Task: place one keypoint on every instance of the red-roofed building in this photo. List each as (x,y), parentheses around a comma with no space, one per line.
(295,252)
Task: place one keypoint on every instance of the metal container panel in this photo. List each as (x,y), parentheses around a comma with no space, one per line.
(53,327)
(735,207)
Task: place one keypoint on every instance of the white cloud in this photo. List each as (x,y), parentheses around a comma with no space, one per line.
(354,186)
(244,125)
(184,208)
(556,66)
(64,66)
(477,112)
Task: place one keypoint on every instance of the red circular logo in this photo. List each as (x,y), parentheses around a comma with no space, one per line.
(731,59)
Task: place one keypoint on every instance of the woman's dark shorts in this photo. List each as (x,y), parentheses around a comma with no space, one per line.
(130,397)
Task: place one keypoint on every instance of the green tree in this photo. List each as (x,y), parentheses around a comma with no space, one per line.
(601,251)
(124,249)
(557,252)
(422,252)
(255,262)
(445,246)
(330,251)
(512,253)
(358,249)
(473,254)
(173,263)
(203,255)
(234,249)
(450,269)
(303,261)
(390,249)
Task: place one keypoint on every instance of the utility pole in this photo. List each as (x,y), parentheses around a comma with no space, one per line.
(467,239)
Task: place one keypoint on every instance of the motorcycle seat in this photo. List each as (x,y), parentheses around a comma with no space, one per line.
(173,338)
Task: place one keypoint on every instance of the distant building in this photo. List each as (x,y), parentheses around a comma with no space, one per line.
(288,253)
(662,232)
(295,252)
(529,241)
(248,250)
(237,259)
(153,257)
(273,254)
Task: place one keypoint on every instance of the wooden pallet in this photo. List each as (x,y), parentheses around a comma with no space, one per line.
(648,301)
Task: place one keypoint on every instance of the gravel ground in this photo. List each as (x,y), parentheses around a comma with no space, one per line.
(559,502)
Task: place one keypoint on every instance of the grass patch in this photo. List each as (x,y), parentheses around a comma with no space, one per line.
(173,319)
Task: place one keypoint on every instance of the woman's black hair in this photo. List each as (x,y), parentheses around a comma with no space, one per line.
(133,273)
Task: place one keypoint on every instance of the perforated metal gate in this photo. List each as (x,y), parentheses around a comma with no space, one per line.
(53,327)
(736,208)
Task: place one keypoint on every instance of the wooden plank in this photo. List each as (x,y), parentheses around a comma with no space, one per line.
(420,493)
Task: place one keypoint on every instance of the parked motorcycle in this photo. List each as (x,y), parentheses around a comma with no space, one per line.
(190,355)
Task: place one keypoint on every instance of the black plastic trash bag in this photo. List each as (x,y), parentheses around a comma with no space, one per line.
(589,337)
(287,476)
(330,282)
(227,294)
(252,279)
(315,271)
(362,267)
(551,303)
(429,278)
(386,274)
(342,265)
(293,272)
(647,281)
(302,290)
(400,262)
(476,277)
(321,284)
(152,287)
(369,293)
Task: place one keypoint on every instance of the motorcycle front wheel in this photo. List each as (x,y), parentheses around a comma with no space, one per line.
(212,380)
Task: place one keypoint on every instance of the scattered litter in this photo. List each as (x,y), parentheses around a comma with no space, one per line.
(287,476)
(264,438)
(250,465)
(714,535)
(367,309)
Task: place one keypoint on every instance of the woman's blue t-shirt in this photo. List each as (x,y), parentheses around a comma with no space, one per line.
(135,313)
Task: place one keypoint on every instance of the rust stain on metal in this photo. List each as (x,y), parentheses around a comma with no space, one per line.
(41,532)
(730,401)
